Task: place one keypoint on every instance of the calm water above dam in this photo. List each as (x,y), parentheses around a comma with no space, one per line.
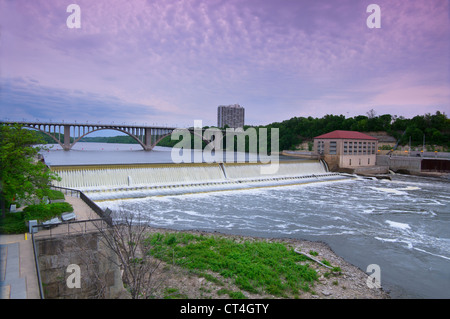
(402,225)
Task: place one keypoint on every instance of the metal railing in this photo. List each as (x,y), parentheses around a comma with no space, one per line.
(56,230)
(96,225)
(77,193)
(68,228)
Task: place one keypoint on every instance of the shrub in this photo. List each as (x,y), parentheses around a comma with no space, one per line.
(15,223)
(43,212)
(55,195)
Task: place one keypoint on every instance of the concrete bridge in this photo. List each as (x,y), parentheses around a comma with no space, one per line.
(147,136)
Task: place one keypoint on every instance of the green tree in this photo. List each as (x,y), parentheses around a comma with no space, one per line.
(22,176)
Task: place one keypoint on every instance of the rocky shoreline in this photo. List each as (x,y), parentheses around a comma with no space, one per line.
(349,283)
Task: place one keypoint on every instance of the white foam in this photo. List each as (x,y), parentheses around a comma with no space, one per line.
(427,252)
(397,225)
(389,190)
(410,188)
(409,244)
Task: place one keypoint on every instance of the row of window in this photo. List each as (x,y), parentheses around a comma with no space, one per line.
(361,148)
(350,148)
(350,161)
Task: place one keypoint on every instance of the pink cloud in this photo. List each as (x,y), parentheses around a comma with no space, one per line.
(187,57)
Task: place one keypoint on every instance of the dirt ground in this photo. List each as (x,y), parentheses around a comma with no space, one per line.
(351,283)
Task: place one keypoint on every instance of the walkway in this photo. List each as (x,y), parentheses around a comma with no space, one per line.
(18,278)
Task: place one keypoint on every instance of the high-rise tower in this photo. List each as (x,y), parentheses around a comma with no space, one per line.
(231,115)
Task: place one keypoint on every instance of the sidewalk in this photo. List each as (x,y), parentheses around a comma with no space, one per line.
(18,277)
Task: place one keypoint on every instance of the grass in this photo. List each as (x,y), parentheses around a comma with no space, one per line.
(232,294)
(173,293)
(254,266)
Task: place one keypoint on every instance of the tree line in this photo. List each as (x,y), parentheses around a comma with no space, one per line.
(433,128)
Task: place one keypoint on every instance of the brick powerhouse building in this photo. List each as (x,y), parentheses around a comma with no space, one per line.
(347,149)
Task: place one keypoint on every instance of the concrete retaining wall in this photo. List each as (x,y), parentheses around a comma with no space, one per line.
(397,163)
(99,276)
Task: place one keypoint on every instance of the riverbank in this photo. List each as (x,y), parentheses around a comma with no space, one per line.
(349,282)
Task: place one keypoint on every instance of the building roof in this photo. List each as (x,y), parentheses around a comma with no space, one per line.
(347,135)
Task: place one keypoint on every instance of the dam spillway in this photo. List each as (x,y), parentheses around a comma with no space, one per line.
(107,182)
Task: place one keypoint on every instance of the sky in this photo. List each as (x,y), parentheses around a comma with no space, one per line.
(169,62)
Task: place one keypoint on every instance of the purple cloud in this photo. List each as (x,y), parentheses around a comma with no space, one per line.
(278,59)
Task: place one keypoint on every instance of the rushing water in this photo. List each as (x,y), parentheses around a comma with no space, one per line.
(401,225)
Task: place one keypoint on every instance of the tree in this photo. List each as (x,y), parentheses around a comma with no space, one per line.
(22,176)
(371,114)
(128,240)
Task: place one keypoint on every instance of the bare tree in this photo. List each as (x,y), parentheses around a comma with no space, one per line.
(371,114)
(108,255)
(127,239)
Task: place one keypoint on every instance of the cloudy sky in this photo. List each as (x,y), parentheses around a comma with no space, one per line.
(170,62)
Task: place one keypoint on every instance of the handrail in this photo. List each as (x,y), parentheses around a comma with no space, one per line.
(41,290)
(38,271)
(88,202)
(104,217)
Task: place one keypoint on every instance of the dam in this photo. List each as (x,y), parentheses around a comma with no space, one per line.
(400,224)
(123,181)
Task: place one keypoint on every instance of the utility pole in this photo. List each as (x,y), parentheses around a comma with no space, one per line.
(409,154)
(423,147)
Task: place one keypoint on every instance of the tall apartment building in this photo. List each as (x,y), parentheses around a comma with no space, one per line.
(231,115)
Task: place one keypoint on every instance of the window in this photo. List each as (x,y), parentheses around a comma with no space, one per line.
(320,147)
(359,147)
(333,148)
(365,148)
(345,148)
(350,148)
(349,162)
(368,160)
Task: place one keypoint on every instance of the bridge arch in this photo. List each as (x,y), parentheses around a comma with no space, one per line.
(194,132)
(68,134)
(48,134)
(158,139)
(114,129)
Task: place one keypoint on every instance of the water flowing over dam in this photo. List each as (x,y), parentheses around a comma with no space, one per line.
(400,223)
(106,182)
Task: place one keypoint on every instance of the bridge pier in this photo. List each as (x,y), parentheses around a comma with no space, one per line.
(148,139)
(67,146)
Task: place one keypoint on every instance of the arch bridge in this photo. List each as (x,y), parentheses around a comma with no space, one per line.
(147,136)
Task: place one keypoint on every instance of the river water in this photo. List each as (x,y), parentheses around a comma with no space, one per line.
(402,225)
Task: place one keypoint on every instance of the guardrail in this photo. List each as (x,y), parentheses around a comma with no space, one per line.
(100,212)
(96,224)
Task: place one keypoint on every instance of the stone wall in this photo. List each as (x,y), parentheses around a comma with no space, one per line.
(400,163)
(100,276)
(332,162)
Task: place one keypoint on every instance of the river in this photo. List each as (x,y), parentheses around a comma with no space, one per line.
(402,225)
